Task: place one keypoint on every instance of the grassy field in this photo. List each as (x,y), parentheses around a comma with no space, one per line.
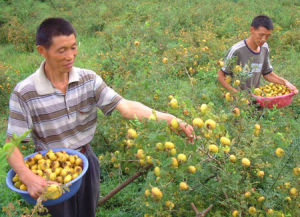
(125,42)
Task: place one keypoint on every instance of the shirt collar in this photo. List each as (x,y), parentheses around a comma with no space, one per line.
(44,86)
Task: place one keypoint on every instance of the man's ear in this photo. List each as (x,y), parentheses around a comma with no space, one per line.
(42,50)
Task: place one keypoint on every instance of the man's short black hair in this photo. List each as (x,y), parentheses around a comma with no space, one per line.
(52,27)
(263,21)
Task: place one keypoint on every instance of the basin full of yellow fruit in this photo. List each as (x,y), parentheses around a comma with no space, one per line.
(64,166)
(272,94)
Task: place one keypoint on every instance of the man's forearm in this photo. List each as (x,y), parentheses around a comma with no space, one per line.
(272,77)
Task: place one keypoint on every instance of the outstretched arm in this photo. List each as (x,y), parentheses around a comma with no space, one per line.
(132,109)
(272,77)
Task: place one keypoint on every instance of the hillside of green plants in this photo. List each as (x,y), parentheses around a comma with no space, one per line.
(154,52)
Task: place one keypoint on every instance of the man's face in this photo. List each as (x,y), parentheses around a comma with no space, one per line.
(260,35)
(60,56)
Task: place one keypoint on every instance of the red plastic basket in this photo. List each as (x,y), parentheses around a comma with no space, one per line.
(278,101)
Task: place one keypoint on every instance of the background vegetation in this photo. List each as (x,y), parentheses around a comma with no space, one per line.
(125,42)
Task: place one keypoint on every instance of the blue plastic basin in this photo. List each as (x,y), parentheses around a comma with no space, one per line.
(72,185)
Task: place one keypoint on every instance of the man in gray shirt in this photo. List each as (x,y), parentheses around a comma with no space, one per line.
(252,55)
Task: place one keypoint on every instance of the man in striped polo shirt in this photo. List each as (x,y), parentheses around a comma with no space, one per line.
(59,103)
(252,54)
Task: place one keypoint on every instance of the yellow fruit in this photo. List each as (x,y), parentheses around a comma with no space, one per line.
(288,199)
(23,187)
(149,159)
(192,169)
(152,117)
(132,134)
(296,171)
(203,108)
(226,149)
(279,152)
(156,193)
(15,178)
(246,162)
(173,103)
(140,154)
(165,60)
(293,191)
(198,122)
(225,140)
(174,163)
(53,192)
(257,126)
(228,79)
(52,176)
(270,211)
(183,186)
(68,178)
(181,158)
(78,162)
(235,213)
(169,204)
(220,63)
(247,194)
(236,112)
(252,210)
(174,123)
(257,91)
(260,174)
(38,156)
(228,97)
(237,82)
(159,146)
(237,68)
(147,193)
(210,124)
(169,145)
(157,171)
(261,199)
(213,148)
(256,132)
(232,158)
(173,151)
(136,43)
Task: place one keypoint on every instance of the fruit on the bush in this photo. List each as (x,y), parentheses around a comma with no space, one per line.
(157,171)
(170,205)
(213,148)
(260,174)
(236,112)
(169,145)
(232,158)
(181,158)
(247,194)
(252,210)
(132,134)
(198,122)
(165,60)
(203,108)
(210,124)
(147,193)
(173,103)
(293,191)
(174,162)
(156,193)
(228,97)
(279,152)
(192,169)
(235,213)
(183,186)
(246,162)
(261,199)
(257,126)
(225,141)
(174,123)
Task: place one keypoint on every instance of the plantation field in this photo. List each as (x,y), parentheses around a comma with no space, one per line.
(153,52)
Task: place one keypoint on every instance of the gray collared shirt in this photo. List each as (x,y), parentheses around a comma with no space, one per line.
(60,120)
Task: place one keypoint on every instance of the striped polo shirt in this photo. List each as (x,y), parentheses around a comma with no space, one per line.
(254,64)
(60,120)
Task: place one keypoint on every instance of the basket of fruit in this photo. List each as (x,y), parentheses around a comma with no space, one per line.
(65,166)
(272,95)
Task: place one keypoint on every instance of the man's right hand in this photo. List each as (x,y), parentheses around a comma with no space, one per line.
(34,183)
